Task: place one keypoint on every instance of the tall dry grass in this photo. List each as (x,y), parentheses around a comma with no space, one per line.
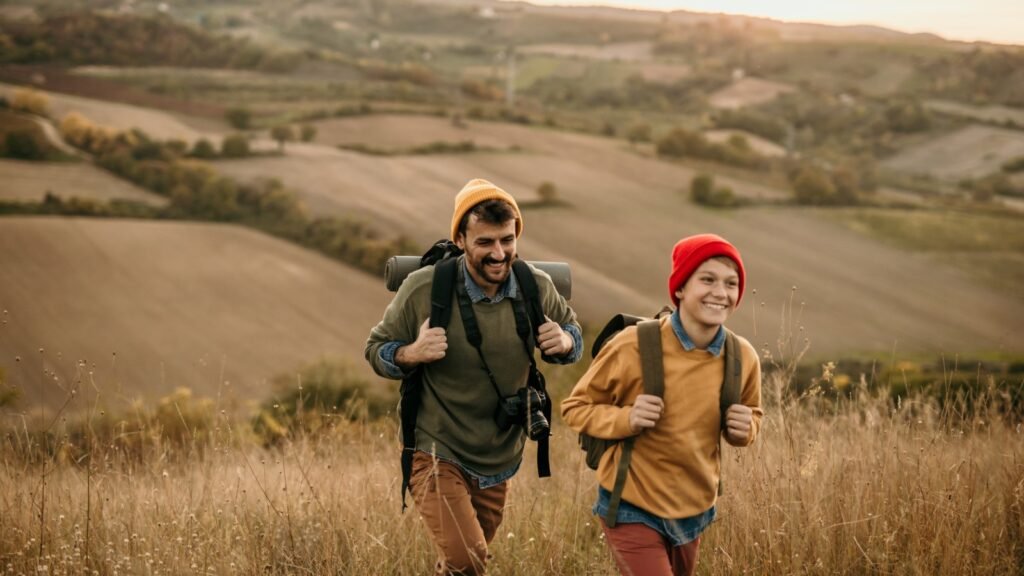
(857,486)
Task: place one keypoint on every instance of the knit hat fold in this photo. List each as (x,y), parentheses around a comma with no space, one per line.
(689,253)
(476,191)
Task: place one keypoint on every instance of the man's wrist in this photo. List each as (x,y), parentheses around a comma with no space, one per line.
(402,358)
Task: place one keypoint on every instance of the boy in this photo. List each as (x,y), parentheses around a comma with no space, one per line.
(669,495)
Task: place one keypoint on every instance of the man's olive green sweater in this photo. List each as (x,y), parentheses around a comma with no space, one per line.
(456,416)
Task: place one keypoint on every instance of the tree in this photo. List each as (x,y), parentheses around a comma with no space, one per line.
(239,118)
(282,133)
(308,132)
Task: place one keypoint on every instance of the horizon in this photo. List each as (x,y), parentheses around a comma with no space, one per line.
(993,21)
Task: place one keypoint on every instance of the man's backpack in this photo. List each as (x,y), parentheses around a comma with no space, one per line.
(529,315)
(652,372)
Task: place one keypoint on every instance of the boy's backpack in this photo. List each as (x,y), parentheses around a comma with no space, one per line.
(652,370)
(529,315)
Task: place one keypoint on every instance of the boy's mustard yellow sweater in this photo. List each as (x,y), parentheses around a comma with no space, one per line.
(674,469)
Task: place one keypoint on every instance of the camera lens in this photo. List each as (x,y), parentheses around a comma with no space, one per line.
(537,425)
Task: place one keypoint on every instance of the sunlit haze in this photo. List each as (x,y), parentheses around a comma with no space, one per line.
(999,21)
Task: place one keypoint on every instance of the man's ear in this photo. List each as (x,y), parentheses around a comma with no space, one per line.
(460,241)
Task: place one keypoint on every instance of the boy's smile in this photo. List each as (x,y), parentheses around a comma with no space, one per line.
(709,296)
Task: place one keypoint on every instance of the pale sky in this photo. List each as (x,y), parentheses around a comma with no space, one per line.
(999,21)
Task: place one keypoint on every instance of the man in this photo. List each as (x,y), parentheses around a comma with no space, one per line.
(463,459)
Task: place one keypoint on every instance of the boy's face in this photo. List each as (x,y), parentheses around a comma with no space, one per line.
(711,292)
(490,249)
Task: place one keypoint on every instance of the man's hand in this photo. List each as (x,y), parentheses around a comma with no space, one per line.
(430,346)
(738,420)
(552,340)
(645,412)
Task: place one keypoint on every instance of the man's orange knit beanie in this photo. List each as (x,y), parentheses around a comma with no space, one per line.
(689,253)
(475,192)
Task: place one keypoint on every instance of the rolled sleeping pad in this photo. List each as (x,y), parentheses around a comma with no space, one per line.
(398,267)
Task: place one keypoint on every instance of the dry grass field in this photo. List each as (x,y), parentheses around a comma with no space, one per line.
(623,213)
(30,181)
(748,92)
(132,309)
(862,487)
(970,152)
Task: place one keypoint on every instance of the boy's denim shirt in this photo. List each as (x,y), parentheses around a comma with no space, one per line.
(681,530)
(508,289)
(678,532)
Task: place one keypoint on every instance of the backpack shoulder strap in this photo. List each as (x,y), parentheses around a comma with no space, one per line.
(531,292)
(441,290)
(535,315)
(730,385)
(649,335)
(733,373)
(412,385)
(653,374)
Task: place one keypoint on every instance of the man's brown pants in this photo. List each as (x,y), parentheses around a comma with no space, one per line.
(461,518)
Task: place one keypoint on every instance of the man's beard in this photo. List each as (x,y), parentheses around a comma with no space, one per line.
(481,269)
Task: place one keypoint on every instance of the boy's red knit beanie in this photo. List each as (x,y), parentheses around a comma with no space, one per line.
(689,253)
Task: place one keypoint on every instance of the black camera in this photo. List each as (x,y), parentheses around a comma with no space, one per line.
(525,408)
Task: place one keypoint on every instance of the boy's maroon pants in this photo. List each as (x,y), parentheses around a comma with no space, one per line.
(641,551)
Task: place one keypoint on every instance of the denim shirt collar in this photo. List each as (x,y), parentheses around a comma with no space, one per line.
(508,289)
(716,345)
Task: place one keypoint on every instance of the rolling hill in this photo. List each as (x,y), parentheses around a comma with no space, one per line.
(622,212)
(134,309)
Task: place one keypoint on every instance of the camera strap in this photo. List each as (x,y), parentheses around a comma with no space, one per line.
(472,328)
(523,316)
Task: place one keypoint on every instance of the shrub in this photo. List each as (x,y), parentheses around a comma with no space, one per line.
(203,148)
(32,101)
(307,132)
(639,133)
(24,145)
(315,399)
(1015,165)
(547,192)
(704,192)
(813,186)
(235,146)
(701,188)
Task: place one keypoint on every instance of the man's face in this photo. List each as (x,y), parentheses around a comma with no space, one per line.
(710,294)
(490,249)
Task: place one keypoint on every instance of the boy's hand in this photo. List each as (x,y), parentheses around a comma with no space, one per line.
(430,346)
(738,420)
(645,412)
(552,340)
